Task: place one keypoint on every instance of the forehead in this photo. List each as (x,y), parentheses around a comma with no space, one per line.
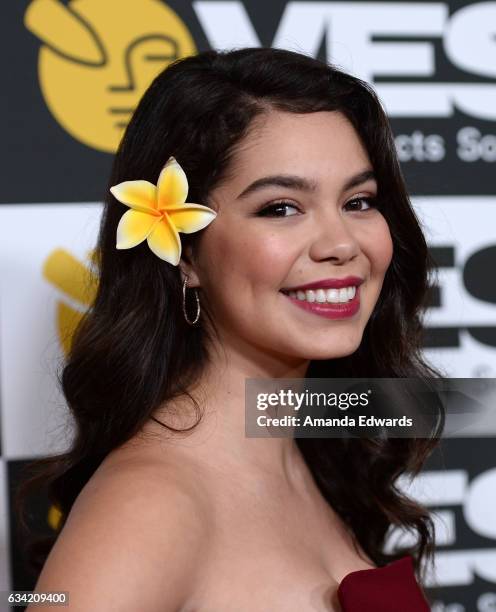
(320,146)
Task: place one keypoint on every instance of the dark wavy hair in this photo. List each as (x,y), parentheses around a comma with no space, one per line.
(133,350)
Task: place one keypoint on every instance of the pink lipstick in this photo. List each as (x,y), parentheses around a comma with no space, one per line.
(326,309)
(329,283)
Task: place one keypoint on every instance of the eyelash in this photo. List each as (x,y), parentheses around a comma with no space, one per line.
(371,201)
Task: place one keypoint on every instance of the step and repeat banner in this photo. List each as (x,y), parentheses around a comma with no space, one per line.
(73,73)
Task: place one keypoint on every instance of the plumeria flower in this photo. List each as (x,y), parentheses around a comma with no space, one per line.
(159,212)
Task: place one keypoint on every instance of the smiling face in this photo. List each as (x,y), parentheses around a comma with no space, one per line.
(326,229)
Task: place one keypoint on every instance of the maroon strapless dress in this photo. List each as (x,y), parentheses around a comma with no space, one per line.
(392,588)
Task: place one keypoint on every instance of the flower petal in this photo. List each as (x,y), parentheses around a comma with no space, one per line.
(134,227)
(164,241)
(191,217)
(139,195)
(172,185)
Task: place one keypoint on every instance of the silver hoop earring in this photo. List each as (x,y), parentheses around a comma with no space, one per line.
(184,304)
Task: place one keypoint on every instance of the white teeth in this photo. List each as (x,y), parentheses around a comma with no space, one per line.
(331,296)
(321,295)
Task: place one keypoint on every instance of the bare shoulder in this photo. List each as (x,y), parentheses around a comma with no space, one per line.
(134,540)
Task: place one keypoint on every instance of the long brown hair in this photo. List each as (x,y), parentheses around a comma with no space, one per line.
(133,350)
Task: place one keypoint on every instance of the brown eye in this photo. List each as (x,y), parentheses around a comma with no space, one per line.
(370,203)
(269,211)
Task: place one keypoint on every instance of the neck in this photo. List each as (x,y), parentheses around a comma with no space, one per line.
(219,440)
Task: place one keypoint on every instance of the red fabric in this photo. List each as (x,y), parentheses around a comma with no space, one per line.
(392,588)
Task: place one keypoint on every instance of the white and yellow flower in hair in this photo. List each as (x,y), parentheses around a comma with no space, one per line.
(158,213)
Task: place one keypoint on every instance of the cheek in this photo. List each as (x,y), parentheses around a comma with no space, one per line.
(263,257)
(378,245)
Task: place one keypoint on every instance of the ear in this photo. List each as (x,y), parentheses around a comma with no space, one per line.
(188,268)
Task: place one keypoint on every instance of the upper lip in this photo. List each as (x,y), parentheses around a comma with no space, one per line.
(329,283)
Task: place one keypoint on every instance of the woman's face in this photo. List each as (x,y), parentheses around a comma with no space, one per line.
(326,229)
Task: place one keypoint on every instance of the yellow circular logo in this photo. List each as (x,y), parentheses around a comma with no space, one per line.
(98,58)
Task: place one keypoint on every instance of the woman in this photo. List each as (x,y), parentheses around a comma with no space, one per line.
(295,161)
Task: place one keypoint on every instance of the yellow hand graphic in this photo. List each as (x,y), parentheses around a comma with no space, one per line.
(99,56)
(78,283)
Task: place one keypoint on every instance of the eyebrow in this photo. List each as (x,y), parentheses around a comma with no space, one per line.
(297,182)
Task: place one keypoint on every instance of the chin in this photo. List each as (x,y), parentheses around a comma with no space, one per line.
(338,350)
(335,354)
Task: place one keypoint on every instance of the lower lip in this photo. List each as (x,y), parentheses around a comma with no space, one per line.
(329,311)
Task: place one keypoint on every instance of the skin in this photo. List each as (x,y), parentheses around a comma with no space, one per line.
(241,271)
(236,522)
(329,234)
(241,263)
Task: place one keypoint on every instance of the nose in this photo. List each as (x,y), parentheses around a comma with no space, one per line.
(333,239)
